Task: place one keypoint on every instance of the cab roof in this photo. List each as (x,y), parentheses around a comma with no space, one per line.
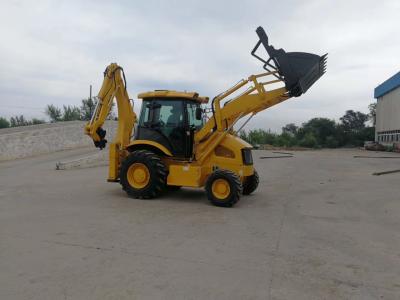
(173,94)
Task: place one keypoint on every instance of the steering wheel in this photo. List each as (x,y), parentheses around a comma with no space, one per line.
(160,123)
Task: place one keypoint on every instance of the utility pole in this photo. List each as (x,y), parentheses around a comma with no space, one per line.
(90,98)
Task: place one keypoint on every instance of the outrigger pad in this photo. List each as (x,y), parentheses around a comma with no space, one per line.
(299,70)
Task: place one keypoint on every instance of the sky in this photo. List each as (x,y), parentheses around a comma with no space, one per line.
(51,51)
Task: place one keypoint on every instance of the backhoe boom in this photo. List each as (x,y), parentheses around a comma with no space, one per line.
(113,87)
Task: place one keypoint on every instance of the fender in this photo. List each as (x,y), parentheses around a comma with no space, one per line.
(149,145)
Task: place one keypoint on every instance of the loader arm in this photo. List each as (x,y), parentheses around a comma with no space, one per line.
(253,100)
(297,71)
(114,86)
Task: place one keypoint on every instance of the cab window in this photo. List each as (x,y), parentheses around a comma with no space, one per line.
(145,113)
(162,113)
(191,111)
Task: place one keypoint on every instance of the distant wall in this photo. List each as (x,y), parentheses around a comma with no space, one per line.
(32,140)
(388,111)
(387,130)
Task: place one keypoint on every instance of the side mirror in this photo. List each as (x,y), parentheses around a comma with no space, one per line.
(199,113)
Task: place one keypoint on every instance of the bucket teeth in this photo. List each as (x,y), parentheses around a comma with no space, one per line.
(299,70)
(323,62)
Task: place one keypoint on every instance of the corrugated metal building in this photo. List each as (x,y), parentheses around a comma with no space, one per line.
(387,130)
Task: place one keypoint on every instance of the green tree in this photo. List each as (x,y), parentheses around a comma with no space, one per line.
(243,135)
(87,108)
(4,123)
(331,142)
(367,134)
(309,140)
(354,120)
(285,140)
(318,128)
(17,121)
(260,136)
(290,128)
(53,112)
(357,138)
(341,135)
(372,113)
(71,113)
(352,130)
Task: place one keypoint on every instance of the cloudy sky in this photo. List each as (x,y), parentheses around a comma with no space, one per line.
(51,51)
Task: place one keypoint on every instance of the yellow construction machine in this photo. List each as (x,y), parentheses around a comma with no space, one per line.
(174,145)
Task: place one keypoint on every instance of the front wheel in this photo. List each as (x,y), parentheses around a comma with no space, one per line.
(143,175)
(250,183)
(223,188)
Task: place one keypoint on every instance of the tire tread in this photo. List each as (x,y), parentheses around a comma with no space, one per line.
(250,184)
(235,185)
(157,171)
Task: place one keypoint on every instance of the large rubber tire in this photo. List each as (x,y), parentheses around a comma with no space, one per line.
(232,193)
(250,183)
(156,172)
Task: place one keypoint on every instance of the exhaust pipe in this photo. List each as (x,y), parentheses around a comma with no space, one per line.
(299,70)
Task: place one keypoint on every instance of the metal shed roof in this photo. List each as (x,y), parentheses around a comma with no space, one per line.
(387,86)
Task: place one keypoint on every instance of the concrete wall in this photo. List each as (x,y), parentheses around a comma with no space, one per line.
(27,141)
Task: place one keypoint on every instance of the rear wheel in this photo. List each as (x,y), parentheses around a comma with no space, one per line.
(250,183)
(143,174)
(223,188)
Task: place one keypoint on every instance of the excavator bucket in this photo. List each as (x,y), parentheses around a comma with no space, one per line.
(299,70)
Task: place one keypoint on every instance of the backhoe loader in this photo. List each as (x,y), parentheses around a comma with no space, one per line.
(173,145)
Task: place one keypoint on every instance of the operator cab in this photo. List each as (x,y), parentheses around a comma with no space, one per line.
(171,118)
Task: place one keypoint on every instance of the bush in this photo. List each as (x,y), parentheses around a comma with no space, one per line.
(331,142)
(53,112)
(4,123)
(285,140)
(18,121)
(37,121)
(87,108)
(309,141)
(71,113)
(260,136)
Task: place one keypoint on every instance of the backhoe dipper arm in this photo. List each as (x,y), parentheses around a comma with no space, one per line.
(114,85)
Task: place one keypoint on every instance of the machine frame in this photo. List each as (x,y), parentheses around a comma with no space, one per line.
(219,159)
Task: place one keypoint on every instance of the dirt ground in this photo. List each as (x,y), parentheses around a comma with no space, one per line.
(320,226)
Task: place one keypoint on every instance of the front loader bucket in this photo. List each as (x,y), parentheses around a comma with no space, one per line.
(299,70)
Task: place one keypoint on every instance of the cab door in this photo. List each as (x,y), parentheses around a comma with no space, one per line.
(169,119)
(192,125)
(163,121)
